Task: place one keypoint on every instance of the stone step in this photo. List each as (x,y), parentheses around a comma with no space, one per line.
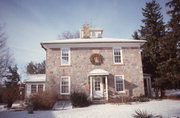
(99,101)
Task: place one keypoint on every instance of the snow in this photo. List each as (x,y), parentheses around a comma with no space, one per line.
(36,78)
(166,108)
(95,40)
(173,92)
(98,72)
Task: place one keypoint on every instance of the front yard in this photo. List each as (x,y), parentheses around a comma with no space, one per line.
(166,108)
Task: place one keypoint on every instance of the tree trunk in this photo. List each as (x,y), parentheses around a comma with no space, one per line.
(162,93)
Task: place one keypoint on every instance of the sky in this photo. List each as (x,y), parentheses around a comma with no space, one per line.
(29,22)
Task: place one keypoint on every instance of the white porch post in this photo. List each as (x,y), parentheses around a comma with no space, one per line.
(91,88)
(106,87)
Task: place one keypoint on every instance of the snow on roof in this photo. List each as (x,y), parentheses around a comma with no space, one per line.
(95,40)
(98,72)
(36,78)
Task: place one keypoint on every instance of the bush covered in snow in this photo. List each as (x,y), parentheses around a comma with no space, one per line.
(79,99)
(43,100)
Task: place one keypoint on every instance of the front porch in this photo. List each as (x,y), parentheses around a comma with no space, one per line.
(98,80)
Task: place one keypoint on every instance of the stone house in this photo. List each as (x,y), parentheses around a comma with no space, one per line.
(103,68)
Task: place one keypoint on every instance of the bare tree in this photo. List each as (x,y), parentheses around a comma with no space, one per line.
(4,53)
(69,35)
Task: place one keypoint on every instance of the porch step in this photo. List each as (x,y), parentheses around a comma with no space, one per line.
(99,101)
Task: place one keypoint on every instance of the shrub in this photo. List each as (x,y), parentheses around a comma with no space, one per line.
(142,114)
(79,99)
(140,99)
(10,95)
(43,101)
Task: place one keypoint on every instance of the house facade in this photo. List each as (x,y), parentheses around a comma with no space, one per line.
(103,68)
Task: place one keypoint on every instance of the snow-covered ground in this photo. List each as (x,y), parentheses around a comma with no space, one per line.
(166,108)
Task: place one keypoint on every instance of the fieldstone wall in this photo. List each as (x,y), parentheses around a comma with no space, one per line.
(81,66)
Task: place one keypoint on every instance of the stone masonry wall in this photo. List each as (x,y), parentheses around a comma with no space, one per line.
(81,66)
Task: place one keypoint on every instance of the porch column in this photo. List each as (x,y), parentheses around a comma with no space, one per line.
(106,87)
(91,88)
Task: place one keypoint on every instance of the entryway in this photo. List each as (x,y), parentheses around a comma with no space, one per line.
(97,87)
(98,84)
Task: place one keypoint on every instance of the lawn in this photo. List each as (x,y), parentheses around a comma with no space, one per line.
(166,108)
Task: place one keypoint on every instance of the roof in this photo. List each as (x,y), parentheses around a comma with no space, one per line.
(98,72)
(36,78)
(94,40)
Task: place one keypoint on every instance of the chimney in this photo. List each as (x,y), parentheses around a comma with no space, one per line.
(86,33)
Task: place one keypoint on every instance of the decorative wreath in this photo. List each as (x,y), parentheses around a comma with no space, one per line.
(96,59)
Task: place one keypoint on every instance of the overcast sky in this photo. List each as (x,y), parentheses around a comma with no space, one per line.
(29,22)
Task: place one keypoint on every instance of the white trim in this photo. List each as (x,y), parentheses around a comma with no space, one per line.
(91,88)
(123,84)
(69,56)
(69,82)
(120,55)
(106,81)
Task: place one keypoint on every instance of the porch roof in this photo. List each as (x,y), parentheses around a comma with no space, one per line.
(98,72)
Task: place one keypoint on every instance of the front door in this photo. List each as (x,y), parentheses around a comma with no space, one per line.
(97,87)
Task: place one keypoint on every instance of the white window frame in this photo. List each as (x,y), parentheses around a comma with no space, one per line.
(69,84)
(69,56)
(123,91)
(120,55)
(35,88)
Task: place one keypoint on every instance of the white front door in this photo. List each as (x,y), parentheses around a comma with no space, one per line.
(97,87)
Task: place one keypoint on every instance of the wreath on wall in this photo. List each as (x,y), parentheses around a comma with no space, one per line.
(96,59)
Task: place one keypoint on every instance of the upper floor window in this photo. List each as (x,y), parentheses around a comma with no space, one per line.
(65,56)
(65,85)
(119,83)
(117,55)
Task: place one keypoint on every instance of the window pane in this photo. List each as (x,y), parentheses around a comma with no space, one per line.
(64,85)
(97,84)
(117,55)
(119,83)
(33,88)
(65,56)
(40,88)
(65,60)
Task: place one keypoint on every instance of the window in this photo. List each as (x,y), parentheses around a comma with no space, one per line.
(33,88)
(117,55)
(119,83)
(65,56)
(40,88)
(65,85)
(93,34)
(97,84)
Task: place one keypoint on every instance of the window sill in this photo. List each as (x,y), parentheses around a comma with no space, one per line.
(121,91)
(120,64)
(66,65)
(64,93)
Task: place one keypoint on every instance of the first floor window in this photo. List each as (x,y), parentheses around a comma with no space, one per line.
(40,88)
(119,83)
(33,88)
(65,85)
